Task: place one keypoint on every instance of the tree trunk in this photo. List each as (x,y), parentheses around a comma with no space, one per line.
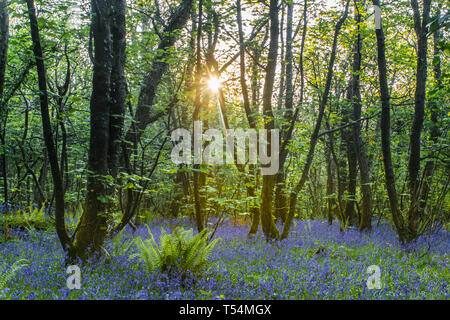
(94,222)
(249,179)
(118,89)
(331,201)
(269,227)
(315,135)
(419,112)
(143,116)
(280,192)
(4,37)
(38,199)
(385,126)
(435,131)
(48,135)
(107,108)
(359,148)
(197,175)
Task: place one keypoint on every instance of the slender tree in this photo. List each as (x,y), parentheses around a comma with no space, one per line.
(144,114)
(420,25)
(315,135)
(4,39)
(385,126)
(197,175)
(159,66)
(58,186)
(251,118)
(269,227)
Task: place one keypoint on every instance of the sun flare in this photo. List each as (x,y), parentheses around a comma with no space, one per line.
(214,84)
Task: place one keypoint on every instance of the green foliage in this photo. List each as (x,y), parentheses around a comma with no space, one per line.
(180,251)
(354,253)
(6,276)
(120,246)
(28,219)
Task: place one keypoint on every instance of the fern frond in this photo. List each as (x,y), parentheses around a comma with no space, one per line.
(179,251)
(5,277)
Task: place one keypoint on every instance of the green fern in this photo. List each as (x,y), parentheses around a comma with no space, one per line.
(119,247)
(6,276)
(180,251)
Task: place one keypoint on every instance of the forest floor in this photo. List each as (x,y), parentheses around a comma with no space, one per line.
(316,262)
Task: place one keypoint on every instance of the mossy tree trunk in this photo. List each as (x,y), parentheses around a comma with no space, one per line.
(107,112)
(268,225)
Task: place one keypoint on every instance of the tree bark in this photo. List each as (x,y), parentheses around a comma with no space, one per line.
(37,194)
(118,85)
